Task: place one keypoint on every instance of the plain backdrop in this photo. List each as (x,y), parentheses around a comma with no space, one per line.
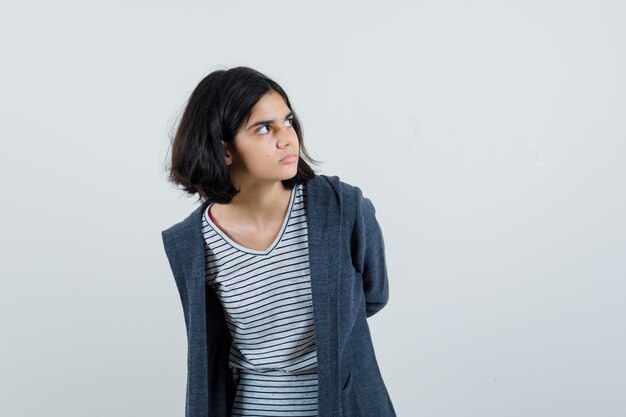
(489,135)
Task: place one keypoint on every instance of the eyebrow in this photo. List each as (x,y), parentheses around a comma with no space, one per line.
(267,122)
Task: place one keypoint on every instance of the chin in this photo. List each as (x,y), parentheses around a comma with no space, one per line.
(289,174)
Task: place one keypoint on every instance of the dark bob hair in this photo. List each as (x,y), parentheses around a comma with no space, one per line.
(217,109)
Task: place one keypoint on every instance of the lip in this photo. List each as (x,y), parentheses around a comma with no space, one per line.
(292,157)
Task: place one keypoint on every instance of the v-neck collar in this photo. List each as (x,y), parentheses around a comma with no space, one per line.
(242,248)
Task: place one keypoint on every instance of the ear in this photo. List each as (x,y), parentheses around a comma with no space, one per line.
(227,154)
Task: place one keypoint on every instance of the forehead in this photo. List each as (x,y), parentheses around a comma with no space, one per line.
(270,104)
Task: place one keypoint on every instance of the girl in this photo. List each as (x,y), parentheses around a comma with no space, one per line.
(278,269)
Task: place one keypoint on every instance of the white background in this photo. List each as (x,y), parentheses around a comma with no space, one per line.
(490,137)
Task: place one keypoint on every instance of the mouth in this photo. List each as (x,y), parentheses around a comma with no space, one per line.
(289,158)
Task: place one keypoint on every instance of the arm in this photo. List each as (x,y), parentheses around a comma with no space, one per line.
(368,255)
(172,256)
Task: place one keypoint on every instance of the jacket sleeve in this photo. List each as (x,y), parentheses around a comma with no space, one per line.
(368,255)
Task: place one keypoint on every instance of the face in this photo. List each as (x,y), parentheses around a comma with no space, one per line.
(268,136)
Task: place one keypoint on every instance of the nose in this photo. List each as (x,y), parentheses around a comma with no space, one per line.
(287,137)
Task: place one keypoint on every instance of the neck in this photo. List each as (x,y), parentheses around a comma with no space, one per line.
(259,204)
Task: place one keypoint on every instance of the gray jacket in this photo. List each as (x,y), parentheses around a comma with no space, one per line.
(348,284)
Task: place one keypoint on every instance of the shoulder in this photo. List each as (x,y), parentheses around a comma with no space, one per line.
(334,184)
(323,186)
(188,224)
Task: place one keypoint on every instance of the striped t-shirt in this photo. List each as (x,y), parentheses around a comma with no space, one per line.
(266,297)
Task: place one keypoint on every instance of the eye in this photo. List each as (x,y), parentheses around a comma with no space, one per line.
(266,126)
